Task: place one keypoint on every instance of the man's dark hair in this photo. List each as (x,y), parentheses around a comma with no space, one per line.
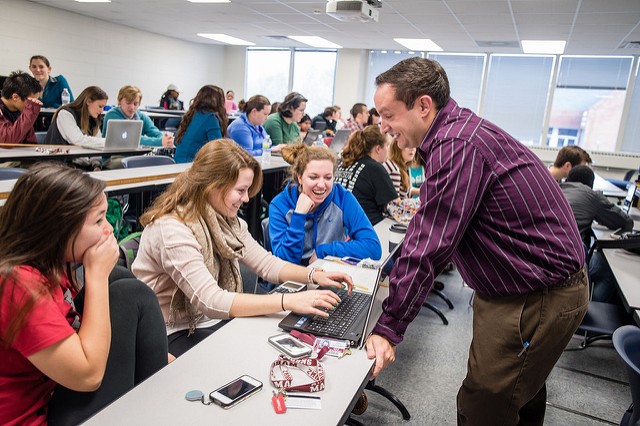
(22,84)
(328,112)
(358,108)
(582,174)
(572,154)
(415,77)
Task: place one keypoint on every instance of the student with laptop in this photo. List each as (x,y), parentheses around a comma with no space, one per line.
(305,125)
(70,343)
(314,217)
(193,243)
(77,123)
(205,121)
(589,205)
(129,98)
(325,121)
(362,173)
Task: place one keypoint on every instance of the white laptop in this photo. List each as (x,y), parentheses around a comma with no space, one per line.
(122,135)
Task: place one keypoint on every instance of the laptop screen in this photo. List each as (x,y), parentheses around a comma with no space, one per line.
(631,199)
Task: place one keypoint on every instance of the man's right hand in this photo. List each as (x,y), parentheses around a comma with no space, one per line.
(382,350)
(35,101)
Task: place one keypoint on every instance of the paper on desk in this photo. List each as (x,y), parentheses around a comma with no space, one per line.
(364,279)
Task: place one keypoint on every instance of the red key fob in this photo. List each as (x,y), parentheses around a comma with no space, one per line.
(278,403)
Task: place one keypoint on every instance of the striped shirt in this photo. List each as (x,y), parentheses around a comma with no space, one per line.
(493,208)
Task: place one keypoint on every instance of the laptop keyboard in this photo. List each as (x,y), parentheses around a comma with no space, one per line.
(340,318)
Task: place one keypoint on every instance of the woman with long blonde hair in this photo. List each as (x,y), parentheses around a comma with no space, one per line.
(398,168)
(193,243)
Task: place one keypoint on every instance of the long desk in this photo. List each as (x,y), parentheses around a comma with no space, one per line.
(155,177)
(238,348)
(30,153)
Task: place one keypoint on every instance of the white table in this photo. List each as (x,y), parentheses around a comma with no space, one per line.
(238,348)
(607,188)
(30,154)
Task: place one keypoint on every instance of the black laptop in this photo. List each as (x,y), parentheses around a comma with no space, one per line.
(350,319)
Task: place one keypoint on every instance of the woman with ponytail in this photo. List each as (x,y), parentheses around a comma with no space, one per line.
(362,173)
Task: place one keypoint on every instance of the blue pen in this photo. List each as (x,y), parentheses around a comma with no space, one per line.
(524,348)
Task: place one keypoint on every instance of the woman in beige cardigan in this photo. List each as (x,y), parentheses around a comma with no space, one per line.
(193,242)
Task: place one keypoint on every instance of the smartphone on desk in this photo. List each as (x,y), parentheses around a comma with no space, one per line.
(236,391)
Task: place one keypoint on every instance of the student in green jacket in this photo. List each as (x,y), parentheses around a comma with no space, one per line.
(283,126)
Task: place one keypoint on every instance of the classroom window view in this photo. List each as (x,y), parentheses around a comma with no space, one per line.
(540,99)
(276,72)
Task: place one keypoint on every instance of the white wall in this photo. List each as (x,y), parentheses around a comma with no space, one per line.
(235,62)
(89,52)
(351,71)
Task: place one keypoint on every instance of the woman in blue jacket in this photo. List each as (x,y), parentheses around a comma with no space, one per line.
(313,217)
(205,121)
(247,129)
(129,98)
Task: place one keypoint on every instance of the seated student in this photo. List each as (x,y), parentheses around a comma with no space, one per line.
(283,126)
(589,205)
(374,117)
(416,174)
(193,242)
(68,352)
(129,98)
(359,118)
(398,168)
(568,157)
(362,173)
(77,123)
(327,117)
(229,105)
(19,108)
(52,87)
(247,129)
(313,217)
(305,125)
(169,99)
(205,121)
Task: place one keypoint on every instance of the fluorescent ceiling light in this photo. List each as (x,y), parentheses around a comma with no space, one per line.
(544,46)
(223,38)
(315,42)
(419,44)
(93,1)
(210,1)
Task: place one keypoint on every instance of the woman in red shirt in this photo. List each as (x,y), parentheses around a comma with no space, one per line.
(68,340)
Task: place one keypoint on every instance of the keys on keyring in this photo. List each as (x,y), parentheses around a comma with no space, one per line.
(347,351)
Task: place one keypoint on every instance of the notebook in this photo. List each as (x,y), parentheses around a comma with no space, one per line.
(122,134)
(352,316)
(339,140)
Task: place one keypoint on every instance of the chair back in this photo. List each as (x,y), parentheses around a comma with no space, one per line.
(266,241)
(146,161)
(626,341)
(7,173)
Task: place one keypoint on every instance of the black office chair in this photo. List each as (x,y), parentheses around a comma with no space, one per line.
(626,341)
(8,173)
(146,161)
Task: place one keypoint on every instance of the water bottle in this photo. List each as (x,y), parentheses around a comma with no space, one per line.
(320,140)
(66,97)
(266,149)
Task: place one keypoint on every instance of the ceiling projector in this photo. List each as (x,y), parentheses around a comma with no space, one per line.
(354,10)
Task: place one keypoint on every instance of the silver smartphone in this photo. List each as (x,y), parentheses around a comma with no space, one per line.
(236,391)
(289,345)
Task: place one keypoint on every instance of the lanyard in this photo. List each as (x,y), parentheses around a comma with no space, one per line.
(310,366)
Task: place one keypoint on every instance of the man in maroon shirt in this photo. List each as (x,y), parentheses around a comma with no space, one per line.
(489,205)
(19,108)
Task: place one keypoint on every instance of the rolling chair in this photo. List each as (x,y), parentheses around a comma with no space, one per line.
(11,173)
(626,341)
(146,161)
(371,385)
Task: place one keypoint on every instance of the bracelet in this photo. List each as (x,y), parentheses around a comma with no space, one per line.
(310,275)
(282,302)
